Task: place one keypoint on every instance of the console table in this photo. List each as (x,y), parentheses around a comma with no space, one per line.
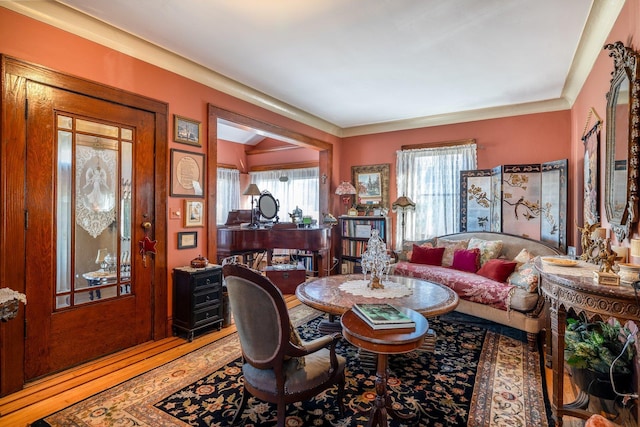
(573,289)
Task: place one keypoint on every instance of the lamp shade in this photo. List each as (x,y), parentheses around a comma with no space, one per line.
(403,203)
(252,190)
(345,188)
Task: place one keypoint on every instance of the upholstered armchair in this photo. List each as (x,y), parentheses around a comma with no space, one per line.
(276,368)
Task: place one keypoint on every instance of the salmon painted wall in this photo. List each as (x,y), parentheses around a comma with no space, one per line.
(533,138)
(520,139)
(61,51)
(593,95)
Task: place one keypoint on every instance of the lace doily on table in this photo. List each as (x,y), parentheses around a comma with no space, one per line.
(390,290)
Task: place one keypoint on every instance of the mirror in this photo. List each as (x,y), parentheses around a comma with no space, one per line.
(621,188)
(268,206)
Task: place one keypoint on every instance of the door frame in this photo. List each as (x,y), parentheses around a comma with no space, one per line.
(14,75)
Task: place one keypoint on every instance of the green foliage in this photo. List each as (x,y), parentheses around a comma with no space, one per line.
(596,345)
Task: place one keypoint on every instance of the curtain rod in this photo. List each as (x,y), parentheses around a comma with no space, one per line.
(439,144)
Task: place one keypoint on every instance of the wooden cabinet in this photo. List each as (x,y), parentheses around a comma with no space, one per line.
(572,290)
(197,299)
(355,231)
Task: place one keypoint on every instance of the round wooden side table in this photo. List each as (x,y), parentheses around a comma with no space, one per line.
(383,343)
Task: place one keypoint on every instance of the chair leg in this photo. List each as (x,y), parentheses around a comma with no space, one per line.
(243,404)
(341,397)
(281,413)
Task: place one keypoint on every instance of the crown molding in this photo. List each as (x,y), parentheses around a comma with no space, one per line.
(601,19)
(460,117)
(87,27)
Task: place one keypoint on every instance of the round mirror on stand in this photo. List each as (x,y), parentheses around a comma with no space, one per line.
(268,206)
(621,186)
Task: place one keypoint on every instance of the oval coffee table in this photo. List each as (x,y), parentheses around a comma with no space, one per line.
(427,298)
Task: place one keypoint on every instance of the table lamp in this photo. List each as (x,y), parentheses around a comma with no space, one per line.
(403,204)
(252,190)
(346,190)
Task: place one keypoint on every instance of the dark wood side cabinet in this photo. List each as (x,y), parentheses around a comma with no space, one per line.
(572,290)
(197,299)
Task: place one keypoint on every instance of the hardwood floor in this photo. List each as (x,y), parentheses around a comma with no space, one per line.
(55,392)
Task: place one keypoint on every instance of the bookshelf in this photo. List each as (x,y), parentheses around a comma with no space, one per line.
(354,234)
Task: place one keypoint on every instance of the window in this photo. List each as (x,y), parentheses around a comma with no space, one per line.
(292,188)
(431,178)
(228,193)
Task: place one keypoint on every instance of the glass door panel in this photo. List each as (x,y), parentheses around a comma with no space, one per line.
(93,211)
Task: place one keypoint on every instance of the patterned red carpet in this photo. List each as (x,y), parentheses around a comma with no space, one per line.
(476,377)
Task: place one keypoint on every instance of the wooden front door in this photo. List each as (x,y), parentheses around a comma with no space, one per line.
(89,188)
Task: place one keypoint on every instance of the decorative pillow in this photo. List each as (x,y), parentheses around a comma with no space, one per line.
(407,248)
(450,247)
(489,249)
(497,269)
(428,256)
(294,338)
(525,277)
(466,260)
(524,256)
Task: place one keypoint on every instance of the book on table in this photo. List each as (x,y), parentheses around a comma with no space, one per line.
(383,316)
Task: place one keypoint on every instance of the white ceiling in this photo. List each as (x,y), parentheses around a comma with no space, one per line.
(356,63)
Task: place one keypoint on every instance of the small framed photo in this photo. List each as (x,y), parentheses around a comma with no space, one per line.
(186,131)
(187,239)
(193,213)
(187,173)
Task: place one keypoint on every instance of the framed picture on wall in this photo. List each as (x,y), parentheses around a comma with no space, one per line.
(193,213)
(372,185)
(187,239)
(591,207)
(187,173)
(186,131)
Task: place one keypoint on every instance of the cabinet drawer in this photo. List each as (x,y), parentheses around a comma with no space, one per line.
(207,315)
(207,280)
(207,296)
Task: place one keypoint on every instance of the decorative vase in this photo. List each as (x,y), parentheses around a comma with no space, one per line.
(598,384)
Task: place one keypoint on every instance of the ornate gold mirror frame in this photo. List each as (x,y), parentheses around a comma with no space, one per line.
(623,134)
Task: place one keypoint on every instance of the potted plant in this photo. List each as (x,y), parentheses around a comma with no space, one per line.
(591,349)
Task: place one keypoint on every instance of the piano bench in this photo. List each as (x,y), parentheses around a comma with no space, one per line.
(286,277)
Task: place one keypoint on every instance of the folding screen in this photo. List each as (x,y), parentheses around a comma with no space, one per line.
(527,200)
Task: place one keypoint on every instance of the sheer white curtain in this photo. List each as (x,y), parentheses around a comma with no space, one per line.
(300,188)
(431,178)
(228,193)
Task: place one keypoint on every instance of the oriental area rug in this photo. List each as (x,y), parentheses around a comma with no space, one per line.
(479,375)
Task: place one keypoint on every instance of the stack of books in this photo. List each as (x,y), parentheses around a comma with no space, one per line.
(383,316)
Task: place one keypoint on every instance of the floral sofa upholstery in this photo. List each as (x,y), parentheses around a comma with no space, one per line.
(509,297)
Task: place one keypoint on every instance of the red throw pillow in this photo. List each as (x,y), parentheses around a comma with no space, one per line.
(429,256)
(497,269)
(466,260)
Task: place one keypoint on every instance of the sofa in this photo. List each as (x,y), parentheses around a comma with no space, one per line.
(504,286)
